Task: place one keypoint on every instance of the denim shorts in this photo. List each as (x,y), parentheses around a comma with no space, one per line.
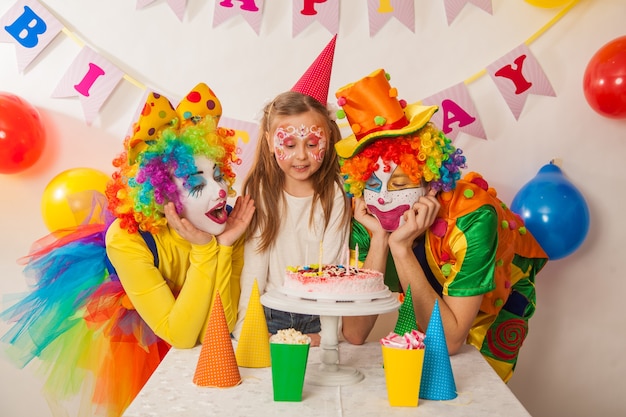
(277,320)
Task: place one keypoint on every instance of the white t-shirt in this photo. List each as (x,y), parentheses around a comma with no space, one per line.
(296,244)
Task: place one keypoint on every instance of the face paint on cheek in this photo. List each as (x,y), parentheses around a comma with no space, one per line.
(318,153)
(280,150)
(286,140)
(389,207)
(408,196)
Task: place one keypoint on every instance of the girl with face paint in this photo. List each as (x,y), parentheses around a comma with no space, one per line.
(296,185)
(113,296)
(449,239)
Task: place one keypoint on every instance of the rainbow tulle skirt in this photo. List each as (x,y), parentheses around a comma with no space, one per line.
(78,327)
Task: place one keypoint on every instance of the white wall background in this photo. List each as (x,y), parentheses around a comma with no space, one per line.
(572,363)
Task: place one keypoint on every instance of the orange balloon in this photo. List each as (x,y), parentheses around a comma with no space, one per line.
(74,197)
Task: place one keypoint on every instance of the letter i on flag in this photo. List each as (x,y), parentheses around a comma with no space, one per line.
(92,78)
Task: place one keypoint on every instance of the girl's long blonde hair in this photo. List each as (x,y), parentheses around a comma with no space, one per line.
(265,181)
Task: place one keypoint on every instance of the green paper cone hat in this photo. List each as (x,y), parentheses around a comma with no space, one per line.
(437,378)
(406,316)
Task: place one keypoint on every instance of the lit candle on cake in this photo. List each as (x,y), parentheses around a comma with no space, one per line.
(356,256)
(319,264)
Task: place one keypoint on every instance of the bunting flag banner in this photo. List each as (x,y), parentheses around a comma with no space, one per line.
(250,10)
(92,78)
(457,112)
(305,12)
(31,27)
(246,133)
(516,75)
(381,11)
(454,7)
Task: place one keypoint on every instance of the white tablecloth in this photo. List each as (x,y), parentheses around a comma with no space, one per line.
(171,392)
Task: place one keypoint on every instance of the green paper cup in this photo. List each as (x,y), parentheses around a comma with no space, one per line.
(403,374)
(288,370)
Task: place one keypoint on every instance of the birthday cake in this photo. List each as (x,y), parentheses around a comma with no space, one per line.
(333,279)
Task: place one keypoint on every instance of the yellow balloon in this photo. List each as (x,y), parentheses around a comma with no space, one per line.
(548,3)
(74,197)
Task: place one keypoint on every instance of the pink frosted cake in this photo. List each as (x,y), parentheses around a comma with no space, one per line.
(333,279)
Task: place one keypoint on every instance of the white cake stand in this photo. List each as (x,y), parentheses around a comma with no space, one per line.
(330,308)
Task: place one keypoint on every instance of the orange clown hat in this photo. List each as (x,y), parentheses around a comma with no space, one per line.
(158,114)
(374,111)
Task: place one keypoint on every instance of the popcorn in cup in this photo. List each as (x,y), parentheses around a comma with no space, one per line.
(289,351)
(403,357)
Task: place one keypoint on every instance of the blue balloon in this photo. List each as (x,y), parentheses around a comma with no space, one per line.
(554,211)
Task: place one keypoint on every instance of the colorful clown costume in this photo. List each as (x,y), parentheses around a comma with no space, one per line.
(478,246)
(81,324)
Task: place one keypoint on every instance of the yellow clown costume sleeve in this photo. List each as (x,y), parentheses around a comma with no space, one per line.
(169,307)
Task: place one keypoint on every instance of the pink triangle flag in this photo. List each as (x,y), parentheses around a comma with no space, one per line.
(457,112)
(381,11)
(92,78)
(305,12)
(454,7)
(518,74)
(250,10)
(178,7)
(31,27)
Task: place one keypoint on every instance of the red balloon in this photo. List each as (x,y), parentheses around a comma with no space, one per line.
(604,81)
(22,137)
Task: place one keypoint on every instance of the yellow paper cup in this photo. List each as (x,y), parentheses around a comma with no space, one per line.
(403,374)
(288,370)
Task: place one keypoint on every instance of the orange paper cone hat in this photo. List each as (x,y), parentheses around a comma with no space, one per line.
(406,317)
(437,378)
(217,366)
(253,348)
(316,80)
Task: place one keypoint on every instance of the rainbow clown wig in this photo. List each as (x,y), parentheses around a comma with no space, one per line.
(163,146)
(388,128)
(425,156)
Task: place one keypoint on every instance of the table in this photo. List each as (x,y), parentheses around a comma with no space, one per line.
(330,371)
(170,391)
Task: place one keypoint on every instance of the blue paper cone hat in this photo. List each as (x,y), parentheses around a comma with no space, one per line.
(406,316)
(437,378)
(253,348)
